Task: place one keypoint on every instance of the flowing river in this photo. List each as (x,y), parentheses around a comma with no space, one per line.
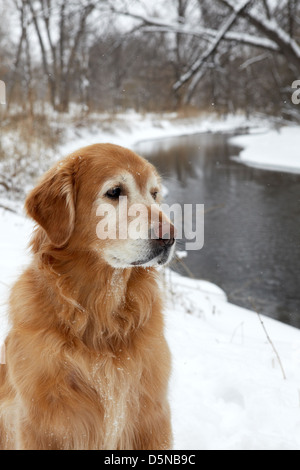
(252,230)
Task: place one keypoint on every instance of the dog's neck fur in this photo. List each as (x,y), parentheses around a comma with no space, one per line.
(103,309)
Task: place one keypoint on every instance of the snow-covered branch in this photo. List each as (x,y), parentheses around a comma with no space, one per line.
(210,34)
(195,70)
(254,60)
(151,24)
(272,30)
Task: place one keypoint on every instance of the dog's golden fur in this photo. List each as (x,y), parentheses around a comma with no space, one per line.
(87,362)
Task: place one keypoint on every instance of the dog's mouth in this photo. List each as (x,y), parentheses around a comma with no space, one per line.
(150,257)
(160,259)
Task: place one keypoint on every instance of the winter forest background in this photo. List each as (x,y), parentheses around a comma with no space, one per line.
(108,56)
(150,56)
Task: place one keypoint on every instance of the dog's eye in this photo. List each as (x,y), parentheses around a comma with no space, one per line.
(114,193)
(154,195)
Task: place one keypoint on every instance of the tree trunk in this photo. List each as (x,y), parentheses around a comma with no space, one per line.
(18,56)
(49,74)
(66,69)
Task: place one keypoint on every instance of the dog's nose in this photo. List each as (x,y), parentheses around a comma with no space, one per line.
(166,241)
(165,234)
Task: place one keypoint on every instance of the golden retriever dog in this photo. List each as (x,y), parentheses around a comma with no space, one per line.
(87,363)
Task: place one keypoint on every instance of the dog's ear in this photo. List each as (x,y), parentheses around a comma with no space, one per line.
(52,204)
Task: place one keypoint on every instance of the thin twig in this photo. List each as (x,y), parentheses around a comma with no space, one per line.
(189,272)
(211,209)
(235,331)
(8,209)
(268,337)
(6,187)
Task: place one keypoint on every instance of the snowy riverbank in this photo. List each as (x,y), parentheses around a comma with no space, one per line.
(262,146)
(271,150)
(227,389)
(129,128)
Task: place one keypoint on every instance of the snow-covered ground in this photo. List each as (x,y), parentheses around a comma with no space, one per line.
(227,389)
(271,150)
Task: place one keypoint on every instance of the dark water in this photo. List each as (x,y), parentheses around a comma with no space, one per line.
(252,230)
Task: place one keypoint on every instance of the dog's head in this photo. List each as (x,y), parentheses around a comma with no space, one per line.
(105,199)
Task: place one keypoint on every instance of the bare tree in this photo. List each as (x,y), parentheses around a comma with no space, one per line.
(230,54)
(20,7)
(180,48)
(195,72)
(58,57)
(266,33)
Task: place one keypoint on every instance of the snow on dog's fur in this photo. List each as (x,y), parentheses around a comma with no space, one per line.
(87,364)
